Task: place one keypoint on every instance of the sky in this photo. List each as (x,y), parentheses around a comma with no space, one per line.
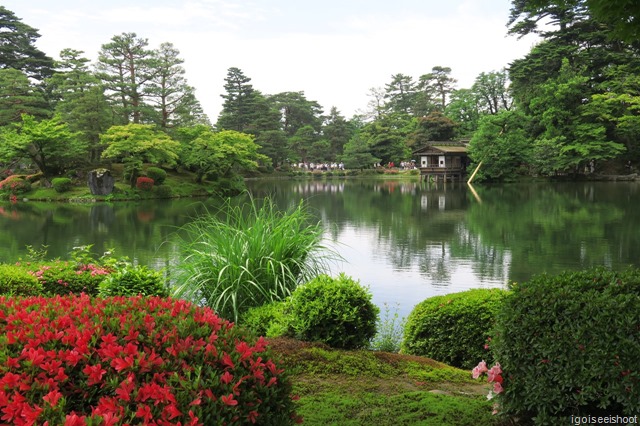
(334,51)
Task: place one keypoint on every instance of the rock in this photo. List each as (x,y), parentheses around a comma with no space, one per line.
(100,182)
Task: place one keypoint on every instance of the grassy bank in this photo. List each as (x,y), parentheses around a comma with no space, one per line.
(339,387)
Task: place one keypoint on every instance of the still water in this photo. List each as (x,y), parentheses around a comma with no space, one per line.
(406,240)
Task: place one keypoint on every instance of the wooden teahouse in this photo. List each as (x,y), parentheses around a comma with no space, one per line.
(443,160)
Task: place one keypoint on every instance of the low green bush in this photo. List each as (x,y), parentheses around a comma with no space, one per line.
(163,191)
(270,320)
(335,311)
(64,277)
(569,345)
(133,280)
(61,184)
(16,281)
(157,174)
(454,328)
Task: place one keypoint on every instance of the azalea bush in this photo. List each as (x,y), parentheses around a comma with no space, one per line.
(569,345)
(77,360)
(63,277)
(144,183)
(15,185)
(61,184)
(454,328)
(157,174)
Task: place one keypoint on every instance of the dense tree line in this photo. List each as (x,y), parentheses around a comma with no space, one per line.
(568,106)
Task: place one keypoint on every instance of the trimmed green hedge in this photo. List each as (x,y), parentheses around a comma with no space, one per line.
(454,328)
(16,281)
(570,345)
(336,311)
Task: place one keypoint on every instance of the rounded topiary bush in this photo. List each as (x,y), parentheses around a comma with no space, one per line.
(569,345)
(157,174)
(61,184)
(16,281)
(133,280)
(164,191)
(138,360)
(454,328)
(335,311)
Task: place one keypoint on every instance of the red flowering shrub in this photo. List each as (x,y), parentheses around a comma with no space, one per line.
(77,360)
(15,184)
(61,277)
(144,183)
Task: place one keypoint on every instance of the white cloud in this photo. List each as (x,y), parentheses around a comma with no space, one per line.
(334,59)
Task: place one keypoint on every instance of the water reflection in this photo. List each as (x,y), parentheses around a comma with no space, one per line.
(407,240)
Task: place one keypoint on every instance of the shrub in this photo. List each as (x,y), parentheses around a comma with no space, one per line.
(157,174)
(144,183)
(15,184)
(61,184)
(270,320)
(133,280)
(164,191)
(248,255)
(63,277)
(569,345)
(15,281)
(453,328)
(81,360)
(338,312)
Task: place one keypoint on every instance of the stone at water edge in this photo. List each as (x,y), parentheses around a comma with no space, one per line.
(100,182)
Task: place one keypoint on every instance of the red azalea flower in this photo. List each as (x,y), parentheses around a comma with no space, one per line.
(228,400)
(52,397)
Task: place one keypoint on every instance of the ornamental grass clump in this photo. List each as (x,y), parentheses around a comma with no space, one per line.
(248,255)
(569,345)
(133,360)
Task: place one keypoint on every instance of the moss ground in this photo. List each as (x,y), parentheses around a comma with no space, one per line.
(339,387)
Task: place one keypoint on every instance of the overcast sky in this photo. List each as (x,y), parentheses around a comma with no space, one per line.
(333,50)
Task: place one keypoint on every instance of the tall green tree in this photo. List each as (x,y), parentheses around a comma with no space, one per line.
(18,96)
(49,144)
(337,131)
(492,91)
(296,111)
(18,50)
(400,94)
(223,154)
(81,101)
(463,109)
(126,65)
(357,154)
(167,91)
(135,144)
(240,98)
(438,85)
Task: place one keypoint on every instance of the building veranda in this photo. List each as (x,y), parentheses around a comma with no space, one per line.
(443,160)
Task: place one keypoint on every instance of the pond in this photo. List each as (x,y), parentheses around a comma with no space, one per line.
(406,240)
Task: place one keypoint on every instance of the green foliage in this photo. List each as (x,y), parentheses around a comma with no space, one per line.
(164,191)
(357,154)
(569,345)
(62,277)
(454,328)
(248,255)
(270,320)
(50,144)
(390,329)
(16,281)
(336,311)
(136,144)
(18,96)
(61,184)
(133,280)
(157,174)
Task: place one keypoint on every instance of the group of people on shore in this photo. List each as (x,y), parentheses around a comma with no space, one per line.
(321,166)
